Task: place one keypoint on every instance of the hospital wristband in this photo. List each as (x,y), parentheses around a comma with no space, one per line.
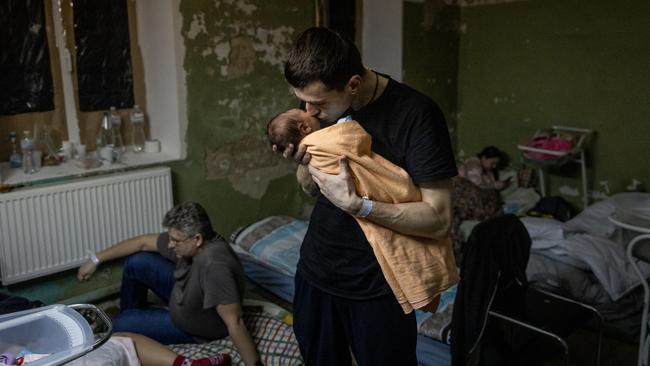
(93,257)
(366,207)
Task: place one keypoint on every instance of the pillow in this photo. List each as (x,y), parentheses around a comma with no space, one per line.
(546,229)
(281,247)
(246,236)
(274,241)
(594,220)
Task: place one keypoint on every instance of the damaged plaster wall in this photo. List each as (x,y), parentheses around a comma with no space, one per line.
(235,52)
(533,64)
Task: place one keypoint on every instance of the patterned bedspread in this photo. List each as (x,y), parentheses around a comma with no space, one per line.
(274,339)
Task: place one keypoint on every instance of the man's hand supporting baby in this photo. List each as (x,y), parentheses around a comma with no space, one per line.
(339,189)
(429,218)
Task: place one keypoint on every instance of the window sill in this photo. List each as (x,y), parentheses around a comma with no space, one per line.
(12,178)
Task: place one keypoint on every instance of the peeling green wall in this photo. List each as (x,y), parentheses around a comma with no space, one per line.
(430,55)
(234,60)
(532,64)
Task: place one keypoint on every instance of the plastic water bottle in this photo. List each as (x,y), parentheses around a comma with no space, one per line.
(137,121)
(27,147)
(116,125)
(15,159)
(105,136)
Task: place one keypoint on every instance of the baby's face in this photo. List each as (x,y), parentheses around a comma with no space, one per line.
(312,122)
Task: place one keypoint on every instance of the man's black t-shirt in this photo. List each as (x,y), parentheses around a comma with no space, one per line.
(408,129)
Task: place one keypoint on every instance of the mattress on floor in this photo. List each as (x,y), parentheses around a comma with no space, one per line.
(273,337)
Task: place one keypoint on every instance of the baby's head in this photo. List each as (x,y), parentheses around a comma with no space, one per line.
(290,127)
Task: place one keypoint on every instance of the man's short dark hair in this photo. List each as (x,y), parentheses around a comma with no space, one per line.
(282,135)
(321,54)
(190,219)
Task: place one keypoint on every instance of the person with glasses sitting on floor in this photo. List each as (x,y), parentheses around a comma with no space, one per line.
(196,272)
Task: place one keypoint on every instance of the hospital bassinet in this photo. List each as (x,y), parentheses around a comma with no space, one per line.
(58,332)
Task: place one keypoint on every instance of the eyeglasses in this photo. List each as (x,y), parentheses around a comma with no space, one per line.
(177,241)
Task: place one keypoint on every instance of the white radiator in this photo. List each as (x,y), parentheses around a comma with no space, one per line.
(49,229)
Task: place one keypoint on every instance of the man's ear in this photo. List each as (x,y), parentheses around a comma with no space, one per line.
(199,240)
(354,83)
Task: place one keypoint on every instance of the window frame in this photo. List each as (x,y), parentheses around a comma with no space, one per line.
(164,77)
(162,50)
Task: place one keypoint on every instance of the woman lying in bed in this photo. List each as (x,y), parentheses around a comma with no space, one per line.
(475,194)
(482,169)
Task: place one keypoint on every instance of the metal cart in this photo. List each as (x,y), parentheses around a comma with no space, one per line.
(559,158)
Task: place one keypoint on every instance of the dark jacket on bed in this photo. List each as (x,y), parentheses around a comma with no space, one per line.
(493,274)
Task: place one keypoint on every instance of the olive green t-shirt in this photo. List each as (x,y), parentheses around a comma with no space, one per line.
(214,276)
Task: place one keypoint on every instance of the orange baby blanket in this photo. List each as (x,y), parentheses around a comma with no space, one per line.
(417,269)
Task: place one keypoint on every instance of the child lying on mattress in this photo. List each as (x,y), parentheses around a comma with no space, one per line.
(417,269)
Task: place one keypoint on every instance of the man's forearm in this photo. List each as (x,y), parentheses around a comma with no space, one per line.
(413,218)
(126,247)
(429,218)
(244,343)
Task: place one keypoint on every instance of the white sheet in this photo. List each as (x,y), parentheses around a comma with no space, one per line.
(117,351)
(593,220)
(544,229)
(602,256)
(588,244)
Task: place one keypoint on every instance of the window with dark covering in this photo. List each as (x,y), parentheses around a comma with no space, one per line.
(25,75)
(103,54)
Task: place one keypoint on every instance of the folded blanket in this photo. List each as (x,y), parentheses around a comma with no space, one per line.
(417,269)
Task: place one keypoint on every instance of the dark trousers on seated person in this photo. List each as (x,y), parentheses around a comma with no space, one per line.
(145,271)
(327,327)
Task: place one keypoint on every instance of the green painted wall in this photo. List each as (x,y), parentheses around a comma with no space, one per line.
(531,64)
(430,55)
(234,58)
